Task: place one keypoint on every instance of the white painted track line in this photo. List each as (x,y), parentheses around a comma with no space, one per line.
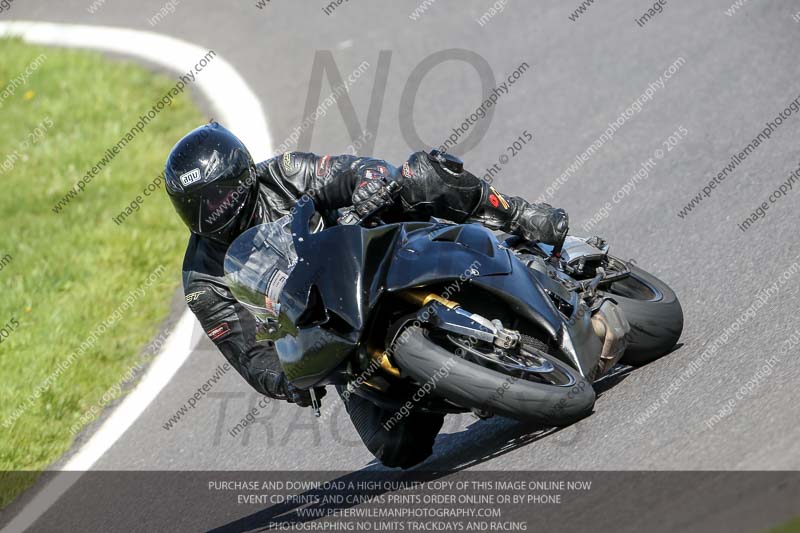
(236,107)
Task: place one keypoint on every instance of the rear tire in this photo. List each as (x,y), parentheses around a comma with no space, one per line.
(653,312)
(478,387)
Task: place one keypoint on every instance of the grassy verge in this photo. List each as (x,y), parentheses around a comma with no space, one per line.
(792,526)
(64,353)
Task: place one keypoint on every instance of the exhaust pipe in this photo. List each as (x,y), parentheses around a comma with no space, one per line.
(609,324)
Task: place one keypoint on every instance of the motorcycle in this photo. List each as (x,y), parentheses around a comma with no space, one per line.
(446,318)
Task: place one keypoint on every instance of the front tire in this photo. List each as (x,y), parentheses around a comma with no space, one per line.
(477,387)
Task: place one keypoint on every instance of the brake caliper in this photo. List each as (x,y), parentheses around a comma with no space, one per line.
(505,338)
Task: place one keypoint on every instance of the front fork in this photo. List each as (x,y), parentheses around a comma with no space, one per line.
(450,316)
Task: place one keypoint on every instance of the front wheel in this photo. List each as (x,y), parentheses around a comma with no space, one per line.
(529,385)
(653,312)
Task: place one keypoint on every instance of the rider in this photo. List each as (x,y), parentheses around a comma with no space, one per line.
(219,192)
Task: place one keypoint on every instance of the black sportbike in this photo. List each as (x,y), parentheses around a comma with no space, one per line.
(445,318)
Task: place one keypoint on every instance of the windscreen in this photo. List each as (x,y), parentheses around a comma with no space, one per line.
(257,265)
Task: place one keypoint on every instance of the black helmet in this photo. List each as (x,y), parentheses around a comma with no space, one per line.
(210,178)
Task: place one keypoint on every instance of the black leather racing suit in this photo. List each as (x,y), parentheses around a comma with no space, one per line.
(429,190)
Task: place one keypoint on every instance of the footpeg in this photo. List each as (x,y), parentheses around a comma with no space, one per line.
(314,403)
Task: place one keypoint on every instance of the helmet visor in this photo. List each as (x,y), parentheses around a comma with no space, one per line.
(221,205)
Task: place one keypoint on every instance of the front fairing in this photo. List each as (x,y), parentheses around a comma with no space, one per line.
(326,300)
(427,254)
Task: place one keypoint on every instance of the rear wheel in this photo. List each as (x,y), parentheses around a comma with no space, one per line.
(653,312)
(527,383)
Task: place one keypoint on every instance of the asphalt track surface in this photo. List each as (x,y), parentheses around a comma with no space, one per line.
(738,73)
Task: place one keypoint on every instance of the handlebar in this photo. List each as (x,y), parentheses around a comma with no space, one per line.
(351,217)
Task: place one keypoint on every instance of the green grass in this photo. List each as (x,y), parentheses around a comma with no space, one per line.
(792,526)
(70,271)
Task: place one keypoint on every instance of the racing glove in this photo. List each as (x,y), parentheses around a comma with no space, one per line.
(372,193)
(512,214)
(542,222)
(277,386)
